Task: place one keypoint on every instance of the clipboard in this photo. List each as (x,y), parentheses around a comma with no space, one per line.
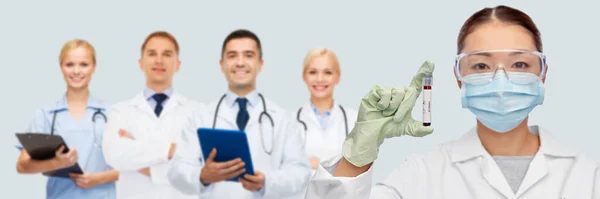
(230,144)
(42,146)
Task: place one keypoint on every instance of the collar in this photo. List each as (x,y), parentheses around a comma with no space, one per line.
(62,105)
(317,112)
(148,92)
(253,98)
(141,100)
(469,146)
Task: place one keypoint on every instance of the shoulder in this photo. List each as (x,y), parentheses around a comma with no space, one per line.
(119,106)
(554,147)
(211,106)
(51,107)
(190,103)
(349,111)
(54,105)
(295,111)
(44,112)
(419,169)
(101,103)
(277,112)
(274,107)
(433,161)
(434,158)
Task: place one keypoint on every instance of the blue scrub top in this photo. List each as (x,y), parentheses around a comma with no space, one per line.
(83,135)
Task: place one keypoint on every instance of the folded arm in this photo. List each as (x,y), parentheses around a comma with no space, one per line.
(125,154)
(108,176)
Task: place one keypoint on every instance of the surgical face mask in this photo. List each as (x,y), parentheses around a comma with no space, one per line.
(504,102)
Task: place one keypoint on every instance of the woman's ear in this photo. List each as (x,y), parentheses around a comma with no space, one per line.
(545,73)
(457,81)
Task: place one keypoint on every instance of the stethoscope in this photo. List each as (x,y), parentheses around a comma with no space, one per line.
(306,127)
(97,113)
(263,113)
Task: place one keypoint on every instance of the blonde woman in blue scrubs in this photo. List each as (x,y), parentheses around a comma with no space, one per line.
(79,118)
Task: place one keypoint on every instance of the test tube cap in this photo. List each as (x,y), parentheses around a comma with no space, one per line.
(427,79)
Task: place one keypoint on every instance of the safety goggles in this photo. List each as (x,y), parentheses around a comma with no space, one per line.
(480,67)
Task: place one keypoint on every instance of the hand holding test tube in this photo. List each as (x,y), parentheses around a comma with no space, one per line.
(385,112)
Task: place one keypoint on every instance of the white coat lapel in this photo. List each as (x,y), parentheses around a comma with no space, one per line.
(580,177)
(537,170)
(310,121)
(171,104)
(141,103)
(225,114)
(254,114)
(310,118)
(257,111)
(494,177)
(468,155)
(336,121)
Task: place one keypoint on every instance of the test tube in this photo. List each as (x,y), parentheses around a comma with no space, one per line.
(427,82)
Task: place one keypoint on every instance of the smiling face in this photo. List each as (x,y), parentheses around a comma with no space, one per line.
(159,61)
(241,63)
(321,76)
(77,67)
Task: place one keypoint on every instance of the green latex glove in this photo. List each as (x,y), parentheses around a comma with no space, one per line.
(385,113)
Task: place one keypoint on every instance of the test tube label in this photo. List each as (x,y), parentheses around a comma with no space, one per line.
(427,106)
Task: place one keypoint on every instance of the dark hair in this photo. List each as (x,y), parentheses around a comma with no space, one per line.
(240,34)
(162,34)
(502,14)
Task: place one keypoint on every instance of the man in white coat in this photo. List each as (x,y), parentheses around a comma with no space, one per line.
(139,140)
(280,164)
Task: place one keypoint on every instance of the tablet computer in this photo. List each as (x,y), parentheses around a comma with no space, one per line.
(41,146)
(230,144)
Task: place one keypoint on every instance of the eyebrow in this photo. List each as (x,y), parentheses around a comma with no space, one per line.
(490,55)
(483,54)
(166,51)
(243,51)
(516,53)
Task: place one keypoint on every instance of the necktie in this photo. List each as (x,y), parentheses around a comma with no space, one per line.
(159,98)
(242,116)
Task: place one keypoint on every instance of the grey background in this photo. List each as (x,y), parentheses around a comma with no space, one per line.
(378,42)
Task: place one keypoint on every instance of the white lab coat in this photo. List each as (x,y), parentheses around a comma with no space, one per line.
(463,169)
(150,148)
(286,170)
(325,144)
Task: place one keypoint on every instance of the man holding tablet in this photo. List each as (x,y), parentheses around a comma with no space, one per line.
(281,168)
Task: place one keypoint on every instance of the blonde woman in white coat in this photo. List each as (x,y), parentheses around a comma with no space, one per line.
(325,123)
